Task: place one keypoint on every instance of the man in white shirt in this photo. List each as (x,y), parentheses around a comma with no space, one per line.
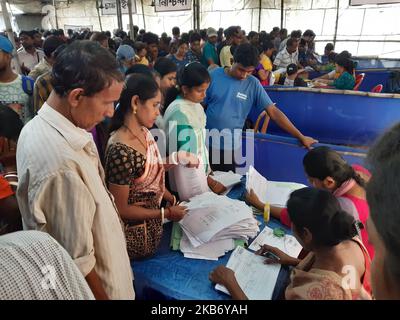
(61,180)
(288,56)
(28,55)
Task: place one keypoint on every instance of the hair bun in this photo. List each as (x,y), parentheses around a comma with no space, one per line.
(343,225)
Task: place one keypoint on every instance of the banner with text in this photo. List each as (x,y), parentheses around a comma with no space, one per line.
(109,7)
(173,5)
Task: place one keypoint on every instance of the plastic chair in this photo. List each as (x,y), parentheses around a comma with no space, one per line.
(265,118)
(377,89)
(359,79)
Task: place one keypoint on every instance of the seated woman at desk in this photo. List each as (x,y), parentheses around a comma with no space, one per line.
(135,172)
(345,70)
(329,234)
(185,117)
(327,170)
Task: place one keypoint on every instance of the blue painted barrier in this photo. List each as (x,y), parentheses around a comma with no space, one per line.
(335,116)
(376,63)
(281,158)
(372,78)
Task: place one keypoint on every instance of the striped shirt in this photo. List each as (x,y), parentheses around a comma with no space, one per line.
(62,191)
(284,58)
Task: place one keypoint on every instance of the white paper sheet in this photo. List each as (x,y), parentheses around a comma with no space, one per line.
(274,192)
(211,217)
(190,182)
(256,279)
(287,244)
(256,182)
(208,251)
(228,179)
(199,257)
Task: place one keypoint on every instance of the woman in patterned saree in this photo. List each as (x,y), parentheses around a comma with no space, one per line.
(135,171)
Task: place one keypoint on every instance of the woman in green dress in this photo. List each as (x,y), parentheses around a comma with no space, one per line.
(185,120)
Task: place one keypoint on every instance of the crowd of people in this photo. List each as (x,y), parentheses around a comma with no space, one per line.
(82,174)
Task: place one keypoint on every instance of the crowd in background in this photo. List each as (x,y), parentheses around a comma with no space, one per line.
(80,108)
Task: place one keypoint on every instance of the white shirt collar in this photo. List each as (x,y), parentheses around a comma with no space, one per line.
(76,137)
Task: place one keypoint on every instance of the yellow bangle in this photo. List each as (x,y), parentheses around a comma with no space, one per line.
(267,210)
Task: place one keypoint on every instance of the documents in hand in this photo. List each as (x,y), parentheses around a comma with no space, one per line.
(212,223)
(287,244)
(273,192)
(228,179)
(256,279)
(190,182)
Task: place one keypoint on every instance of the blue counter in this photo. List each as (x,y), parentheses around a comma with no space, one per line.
(335,116)
(170,276)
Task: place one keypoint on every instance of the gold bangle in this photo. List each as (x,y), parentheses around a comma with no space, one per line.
(267,210)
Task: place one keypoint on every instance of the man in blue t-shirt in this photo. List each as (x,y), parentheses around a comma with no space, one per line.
(232,94)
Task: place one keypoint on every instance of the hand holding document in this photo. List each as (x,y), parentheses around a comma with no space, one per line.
(273,192)
(211,225)
(228,179)
(190,182)
(256,279)
(288,244)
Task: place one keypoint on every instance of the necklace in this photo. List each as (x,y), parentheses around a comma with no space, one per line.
(135,136)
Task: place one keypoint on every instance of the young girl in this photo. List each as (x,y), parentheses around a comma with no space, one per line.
(328,233)
(327,170)
(185,115)
(135,172)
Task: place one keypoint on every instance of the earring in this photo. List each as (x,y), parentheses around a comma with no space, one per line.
(134,110)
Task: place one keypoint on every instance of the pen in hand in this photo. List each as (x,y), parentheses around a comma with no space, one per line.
(271,255)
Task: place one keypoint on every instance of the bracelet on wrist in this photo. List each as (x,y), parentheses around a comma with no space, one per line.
(162,215)
(174,158)
(267,211)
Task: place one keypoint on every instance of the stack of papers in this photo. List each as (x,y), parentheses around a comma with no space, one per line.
(273,192)
(256,279)
(213,223)
(208,251)
(287,244)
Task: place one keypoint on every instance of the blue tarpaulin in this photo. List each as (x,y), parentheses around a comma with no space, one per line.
(170,276)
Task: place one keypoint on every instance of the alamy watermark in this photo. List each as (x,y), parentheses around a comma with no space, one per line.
(236,150)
